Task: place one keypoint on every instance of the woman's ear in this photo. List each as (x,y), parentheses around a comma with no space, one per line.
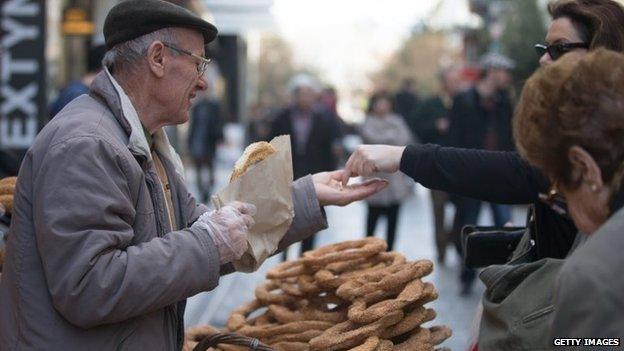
(156,58)
(584,166)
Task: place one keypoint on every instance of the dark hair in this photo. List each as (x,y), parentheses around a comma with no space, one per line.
(599,23)
(573,102)
(380,95)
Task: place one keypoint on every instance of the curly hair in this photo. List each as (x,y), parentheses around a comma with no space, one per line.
(573,102)
(599,23)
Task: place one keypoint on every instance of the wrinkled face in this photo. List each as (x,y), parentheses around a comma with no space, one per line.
(182,81)
(561,30)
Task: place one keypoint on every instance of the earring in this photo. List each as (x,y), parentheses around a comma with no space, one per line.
(594,187)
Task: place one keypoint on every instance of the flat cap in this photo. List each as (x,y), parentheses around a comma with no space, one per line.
(134,18)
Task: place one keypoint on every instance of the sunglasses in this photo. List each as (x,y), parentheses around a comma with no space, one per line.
(555,201)
(555,51)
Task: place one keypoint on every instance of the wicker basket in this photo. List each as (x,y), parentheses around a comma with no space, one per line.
(201,338)
(231,339)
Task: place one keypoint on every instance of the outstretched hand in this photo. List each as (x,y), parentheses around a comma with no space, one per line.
(330,191)
(369,159)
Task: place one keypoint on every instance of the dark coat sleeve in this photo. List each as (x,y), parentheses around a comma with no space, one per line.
(495,176)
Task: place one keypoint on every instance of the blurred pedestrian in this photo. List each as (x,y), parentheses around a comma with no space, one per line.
(205,133)
(430,122)
(406,98)
(481,119)
(328,102)
(78,87)
(311,134)
(382,126)
(258,126)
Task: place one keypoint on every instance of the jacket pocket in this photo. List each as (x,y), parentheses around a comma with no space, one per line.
(538,314)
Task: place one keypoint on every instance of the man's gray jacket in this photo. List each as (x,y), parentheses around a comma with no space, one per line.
(90,265)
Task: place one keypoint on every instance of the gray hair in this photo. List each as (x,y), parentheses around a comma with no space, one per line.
(125,57)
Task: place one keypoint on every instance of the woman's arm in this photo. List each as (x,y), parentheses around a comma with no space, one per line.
(496,176)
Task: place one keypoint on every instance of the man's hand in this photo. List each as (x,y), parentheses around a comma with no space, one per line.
(228,228)
(329,191)
(369,159)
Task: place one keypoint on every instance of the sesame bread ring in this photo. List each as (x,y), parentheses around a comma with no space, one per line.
(238,318)
(418,340)
(265,294)
(344,251)
(267,331)
(360,313)
(286,269)
(304,336)
(384,279)
(8,181)
(7,189)
(384,345)
(328,278)
(348,334)
(291,346)
(370,344)
(7,202)
(411,321)
(439,334)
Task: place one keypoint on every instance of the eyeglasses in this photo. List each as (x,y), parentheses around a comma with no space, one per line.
(559,49)
(202,64)
(555,201)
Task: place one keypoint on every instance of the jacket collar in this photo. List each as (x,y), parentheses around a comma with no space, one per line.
(108,90)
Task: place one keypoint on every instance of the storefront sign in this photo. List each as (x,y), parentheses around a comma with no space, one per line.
(76,22)
(22,72)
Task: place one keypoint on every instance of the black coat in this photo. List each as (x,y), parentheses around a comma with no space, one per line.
(404,103)
(206,129)
(318,154)
(470,122)
(494,176)
(423,120)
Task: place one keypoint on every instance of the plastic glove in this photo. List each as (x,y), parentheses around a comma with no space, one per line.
(228,228)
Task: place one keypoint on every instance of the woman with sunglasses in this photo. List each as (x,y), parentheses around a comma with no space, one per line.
(577,26)
(577,141)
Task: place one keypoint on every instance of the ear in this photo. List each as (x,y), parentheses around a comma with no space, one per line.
(156,59)
(584,165)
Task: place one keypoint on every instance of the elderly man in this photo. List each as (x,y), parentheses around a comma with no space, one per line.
(106,242)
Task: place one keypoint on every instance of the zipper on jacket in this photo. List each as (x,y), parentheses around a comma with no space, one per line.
(170,311)
(151,186)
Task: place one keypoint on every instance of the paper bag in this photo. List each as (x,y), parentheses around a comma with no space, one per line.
(267,185)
